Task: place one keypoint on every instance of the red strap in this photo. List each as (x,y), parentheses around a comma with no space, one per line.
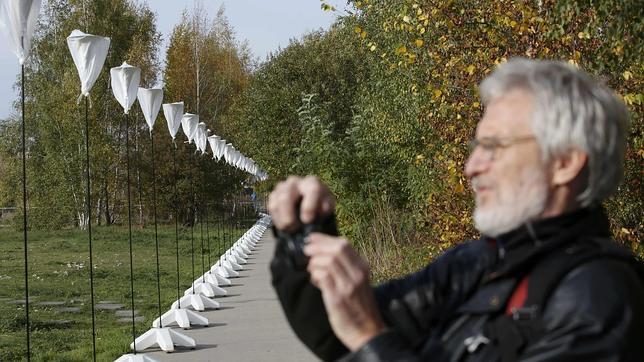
(518,297)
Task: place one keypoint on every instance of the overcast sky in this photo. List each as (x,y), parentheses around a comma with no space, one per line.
(266,24)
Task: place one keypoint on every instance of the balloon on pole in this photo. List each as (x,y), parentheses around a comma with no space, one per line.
(125,84)
(173,113)
(89,53)
(17,22)
(150,101)
(189,124)
(213,141)
(201,137)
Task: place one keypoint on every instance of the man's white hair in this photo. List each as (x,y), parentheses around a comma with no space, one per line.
(571,110)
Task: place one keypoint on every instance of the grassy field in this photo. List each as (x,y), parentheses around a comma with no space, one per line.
(58,272)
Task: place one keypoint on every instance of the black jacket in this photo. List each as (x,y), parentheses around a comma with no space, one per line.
(595,313)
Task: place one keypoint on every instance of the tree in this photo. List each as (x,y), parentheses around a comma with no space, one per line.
(205,68)
(56,152)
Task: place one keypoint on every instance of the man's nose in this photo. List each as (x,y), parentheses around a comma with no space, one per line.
(476,163)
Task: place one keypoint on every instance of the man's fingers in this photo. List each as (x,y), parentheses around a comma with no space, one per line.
(314,196)
(327,206)
(337,255)
(282,204)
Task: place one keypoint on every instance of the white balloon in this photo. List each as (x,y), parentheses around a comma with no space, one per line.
(222,149)
(125,83)
(173,113)
(18,21)
(214,144)
(189,123)
(89,53)
(201,137)
(150,101)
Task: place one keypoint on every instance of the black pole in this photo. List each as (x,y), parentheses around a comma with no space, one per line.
(203,267)
(219,234)
(192,225)
(207,223)
(129,223)
(156,233)
(201,216)
(231,221)
(89,229)
(176,218)
(24,210)
(208,236)
(225,229)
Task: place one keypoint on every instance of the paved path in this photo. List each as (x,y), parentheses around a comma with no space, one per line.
(250,326)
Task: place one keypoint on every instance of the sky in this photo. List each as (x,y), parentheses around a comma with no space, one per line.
(265,24)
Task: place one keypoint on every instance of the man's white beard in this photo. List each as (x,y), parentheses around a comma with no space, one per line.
(523,202)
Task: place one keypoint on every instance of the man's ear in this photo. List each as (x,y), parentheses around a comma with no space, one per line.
(567,166)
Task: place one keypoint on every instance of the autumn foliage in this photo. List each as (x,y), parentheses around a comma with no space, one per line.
(382,106)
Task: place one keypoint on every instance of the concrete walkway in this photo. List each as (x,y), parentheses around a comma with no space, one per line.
(250,326)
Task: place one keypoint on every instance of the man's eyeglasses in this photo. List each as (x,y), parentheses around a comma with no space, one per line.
(489,145)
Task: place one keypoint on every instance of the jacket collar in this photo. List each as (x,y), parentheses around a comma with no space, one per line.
(518,248)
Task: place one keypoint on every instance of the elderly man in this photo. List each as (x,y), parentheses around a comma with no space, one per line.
(544,282)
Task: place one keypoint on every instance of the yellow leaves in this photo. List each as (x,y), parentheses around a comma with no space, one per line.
(618,49)
(419,159)
(576,57)
(327,7)
(500,60)
(419,42)
(372,47)
(583,35)
(401,50)
(633,98)
(459,189)
(358,30)
(421,31)
(406,19)
(476,105)
(627,75)
(470,69)
(437,93)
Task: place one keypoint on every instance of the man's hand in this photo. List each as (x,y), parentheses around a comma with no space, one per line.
(316,201)
(343,278)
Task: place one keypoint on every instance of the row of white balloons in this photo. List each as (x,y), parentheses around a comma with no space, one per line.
(89,52)
(18,22)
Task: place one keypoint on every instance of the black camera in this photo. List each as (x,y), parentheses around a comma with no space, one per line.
(295,241)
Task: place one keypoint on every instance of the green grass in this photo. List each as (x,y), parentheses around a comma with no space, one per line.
(58,271)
